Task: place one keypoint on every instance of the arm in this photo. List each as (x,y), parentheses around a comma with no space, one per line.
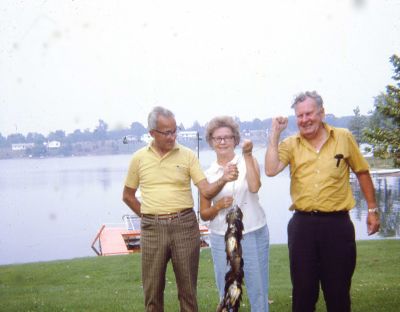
(130,199)
(252,168)
(367,187)
(272,163)
(209,211)
(209,190)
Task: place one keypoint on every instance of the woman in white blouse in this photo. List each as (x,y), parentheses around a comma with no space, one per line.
(223,135)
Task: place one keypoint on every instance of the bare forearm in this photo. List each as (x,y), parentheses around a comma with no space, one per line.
(210,212)
(211,189)
(252,173)
(129,198)
(272,163)
(367,187)
(133,204)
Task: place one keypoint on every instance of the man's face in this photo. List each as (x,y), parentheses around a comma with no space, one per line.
(165,133)
(309,118)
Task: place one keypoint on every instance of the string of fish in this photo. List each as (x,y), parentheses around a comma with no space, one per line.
(233,248)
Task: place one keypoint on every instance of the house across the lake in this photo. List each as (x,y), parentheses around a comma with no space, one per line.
(21,146)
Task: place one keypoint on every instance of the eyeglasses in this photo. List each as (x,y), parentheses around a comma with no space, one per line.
(167,133)
(225,139)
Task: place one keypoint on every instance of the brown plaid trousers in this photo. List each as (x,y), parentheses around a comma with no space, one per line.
(178,240)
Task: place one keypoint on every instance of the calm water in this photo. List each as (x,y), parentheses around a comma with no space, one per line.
(52,208)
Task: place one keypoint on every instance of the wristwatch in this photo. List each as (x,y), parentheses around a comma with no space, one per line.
(373,210)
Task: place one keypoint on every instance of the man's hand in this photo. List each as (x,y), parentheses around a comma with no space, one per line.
(373,223)
(279,124)
(272,164)
(231,173)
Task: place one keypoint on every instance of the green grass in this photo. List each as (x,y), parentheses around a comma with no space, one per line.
(114,283)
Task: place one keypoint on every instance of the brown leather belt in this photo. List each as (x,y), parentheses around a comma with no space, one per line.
(322,213)
(168,216)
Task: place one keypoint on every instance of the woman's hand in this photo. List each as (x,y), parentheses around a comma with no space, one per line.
(224,202)
(247,147)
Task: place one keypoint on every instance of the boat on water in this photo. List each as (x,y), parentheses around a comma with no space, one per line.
(124,238)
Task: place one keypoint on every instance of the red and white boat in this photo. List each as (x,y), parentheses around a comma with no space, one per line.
(124,238)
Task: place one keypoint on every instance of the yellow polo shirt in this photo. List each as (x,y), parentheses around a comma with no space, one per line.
(164,181)
(317,181)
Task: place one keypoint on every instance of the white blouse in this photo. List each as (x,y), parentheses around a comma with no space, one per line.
(253,213)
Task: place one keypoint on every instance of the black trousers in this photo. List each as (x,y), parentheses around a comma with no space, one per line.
(322,252)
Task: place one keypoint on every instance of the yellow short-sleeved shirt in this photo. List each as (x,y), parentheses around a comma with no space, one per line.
(318,182)
(164,181)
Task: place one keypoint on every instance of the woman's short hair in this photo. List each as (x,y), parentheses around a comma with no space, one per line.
(221,122)
(153,116)
(308,94)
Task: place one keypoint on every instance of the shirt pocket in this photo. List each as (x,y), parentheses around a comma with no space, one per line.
(338,166)
(181,173)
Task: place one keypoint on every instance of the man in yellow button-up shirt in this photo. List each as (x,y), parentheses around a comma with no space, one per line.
(321,237)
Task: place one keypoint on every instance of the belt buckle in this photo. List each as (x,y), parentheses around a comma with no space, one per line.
(169,217)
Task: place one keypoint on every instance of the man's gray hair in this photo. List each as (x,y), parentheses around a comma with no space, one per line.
(155,113)
(308,94)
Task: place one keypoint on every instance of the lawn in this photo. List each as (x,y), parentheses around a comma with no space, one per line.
(114,283)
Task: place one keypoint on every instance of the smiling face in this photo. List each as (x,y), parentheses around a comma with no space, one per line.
(309,118)
(223,142)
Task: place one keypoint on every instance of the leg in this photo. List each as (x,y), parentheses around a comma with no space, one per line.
(155,256)
(219,260)
(185,250)
(338,260)
(255,255)
(304,261)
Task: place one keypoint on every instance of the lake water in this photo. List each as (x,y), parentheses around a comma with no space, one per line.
(53,208)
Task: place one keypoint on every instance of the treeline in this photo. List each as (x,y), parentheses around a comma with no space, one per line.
(102,132)
(103,141)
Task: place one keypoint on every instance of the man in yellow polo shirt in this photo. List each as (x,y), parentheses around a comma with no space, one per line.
(169,230)
(321,238)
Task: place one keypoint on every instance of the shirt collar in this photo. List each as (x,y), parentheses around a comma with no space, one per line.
(151,148)
(215,167)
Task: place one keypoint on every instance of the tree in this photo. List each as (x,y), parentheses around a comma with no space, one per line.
(3,141)
(181,127)
(384,131)
(15,138)
(100,133)
(357,125)
(196,127)
(34,137)
(58,135)
(76,136)
(138,129)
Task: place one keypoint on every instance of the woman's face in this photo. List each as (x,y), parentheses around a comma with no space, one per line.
(223,141)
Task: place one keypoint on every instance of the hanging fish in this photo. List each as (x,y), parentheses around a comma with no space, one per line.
(234,277)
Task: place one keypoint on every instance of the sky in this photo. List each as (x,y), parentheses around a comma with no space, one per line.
(66,64)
